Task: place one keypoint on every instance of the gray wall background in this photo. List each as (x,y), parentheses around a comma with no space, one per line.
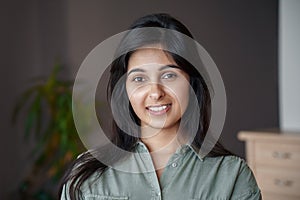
(241,37)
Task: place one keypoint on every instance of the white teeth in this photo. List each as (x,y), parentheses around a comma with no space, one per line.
(157,108)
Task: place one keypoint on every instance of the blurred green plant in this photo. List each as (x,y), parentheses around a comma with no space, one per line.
(47,106)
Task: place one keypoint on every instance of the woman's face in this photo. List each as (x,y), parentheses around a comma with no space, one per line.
(157,88)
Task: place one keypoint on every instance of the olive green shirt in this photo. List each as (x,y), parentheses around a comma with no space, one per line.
(187,176)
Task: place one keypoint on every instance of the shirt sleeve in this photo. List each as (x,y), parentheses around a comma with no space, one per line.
(245,186)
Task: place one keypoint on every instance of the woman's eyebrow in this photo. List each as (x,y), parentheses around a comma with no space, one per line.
(135,70)
(168,66)
(160,69)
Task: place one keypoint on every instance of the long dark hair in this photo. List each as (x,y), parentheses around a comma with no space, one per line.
(88,164)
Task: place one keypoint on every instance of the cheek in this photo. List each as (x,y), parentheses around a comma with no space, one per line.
(184,100)
(136,99)
(181,93)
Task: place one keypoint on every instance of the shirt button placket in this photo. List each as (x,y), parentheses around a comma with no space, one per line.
(159,195)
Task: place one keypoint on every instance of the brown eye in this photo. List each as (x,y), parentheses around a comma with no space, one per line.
(169,76)
(138,79)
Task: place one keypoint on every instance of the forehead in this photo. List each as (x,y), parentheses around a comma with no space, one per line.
(149,56)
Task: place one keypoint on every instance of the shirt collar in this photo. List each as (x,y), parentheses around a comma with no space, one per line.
(181,150)
(196,151)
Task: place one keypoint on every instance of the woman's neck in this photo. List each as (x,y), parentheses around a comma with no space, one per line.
(162,144)
(163,140)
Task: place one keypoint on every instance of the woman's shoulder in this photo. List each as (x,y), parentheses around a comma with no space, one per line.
(231,165)
(235,169)
(227,160)
(229,173)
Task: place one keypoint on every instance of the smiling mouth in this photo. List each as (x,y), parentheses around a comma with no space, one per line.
(159,109)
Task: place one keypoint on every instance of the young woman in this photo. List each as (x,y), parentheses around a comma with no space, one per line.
(168,104)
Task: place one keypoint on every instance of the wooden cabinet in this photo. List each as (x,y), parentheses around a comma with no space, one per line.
(274,158)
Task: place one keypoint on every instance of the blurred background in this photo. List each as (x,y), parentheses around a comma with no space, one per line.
(254,44)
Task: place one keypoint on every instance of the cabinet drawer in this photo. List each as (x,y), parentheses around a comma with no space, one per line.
(277,154)
(278,181)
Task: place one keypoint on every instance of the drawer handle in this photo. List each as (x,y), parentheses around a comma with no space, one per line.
(283,183)
(281,155)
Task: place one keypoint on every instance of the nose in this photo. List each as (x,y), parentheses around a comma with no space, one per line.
(156,91)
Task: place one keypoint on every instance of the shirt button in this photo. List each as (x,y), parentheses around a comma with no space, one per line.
(174,164)
(158,194)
